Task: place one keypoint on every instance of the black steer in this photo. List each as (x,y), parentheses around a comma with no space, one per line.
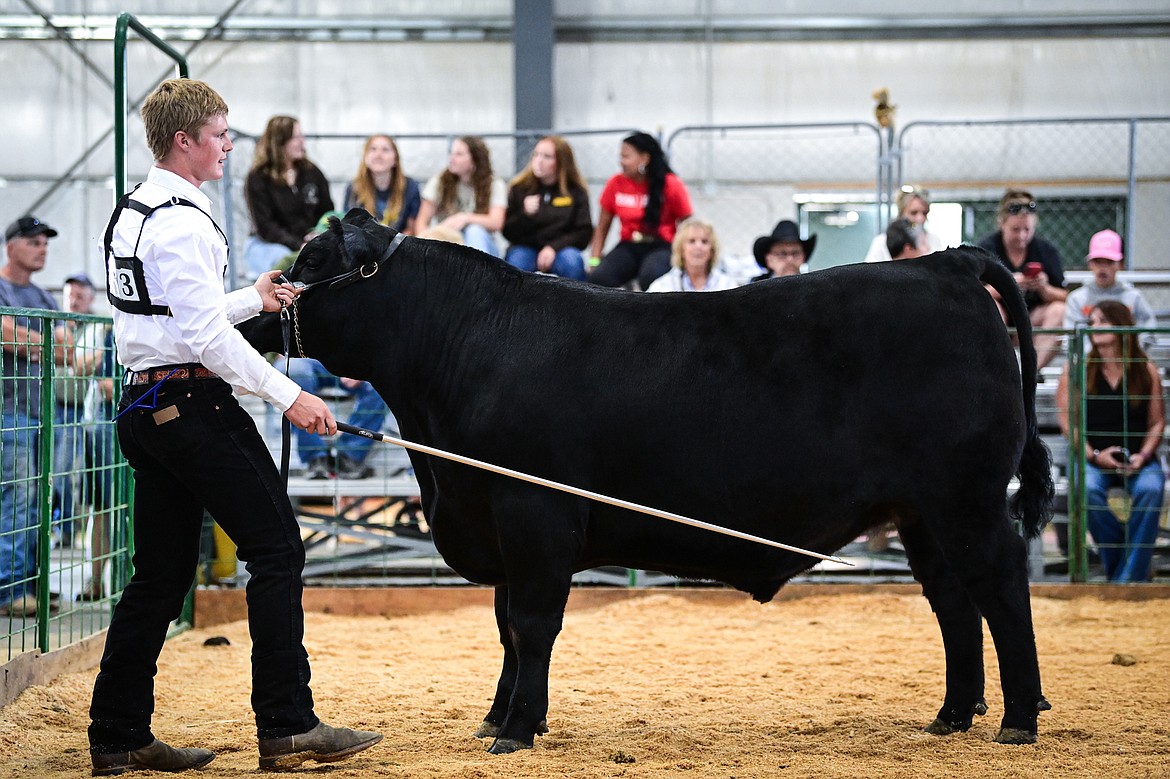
(805,409)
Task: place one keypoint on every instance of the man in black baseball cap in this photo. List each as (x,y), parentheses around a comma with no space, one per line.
(27,227)
(26,246)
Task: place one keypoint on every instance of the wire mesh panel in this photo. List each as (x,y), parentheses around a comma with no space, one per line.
(1086,174)
(64,515)
(743,179)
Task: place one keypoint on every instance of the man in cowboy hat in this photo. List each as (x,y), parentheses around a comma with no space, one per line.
(783,252)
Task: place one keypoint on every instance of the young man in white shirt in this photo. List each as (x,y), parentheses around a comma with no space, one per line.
(193,447)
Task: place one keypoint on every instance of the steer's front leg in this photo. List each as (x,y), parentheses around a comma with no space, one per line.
(535,613)
(490,727)
(539,552)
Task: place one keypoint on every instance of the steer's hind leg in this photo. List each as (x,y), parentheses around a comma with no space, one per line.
(961,627)
(994,570)
(490,727)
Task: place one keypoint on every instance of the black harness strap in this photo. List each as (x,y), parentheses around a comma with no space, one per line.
(129,275)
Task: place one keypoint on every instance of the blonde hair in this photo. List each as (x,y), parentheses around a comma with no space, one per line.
(270,158)
(440,233)
(680,238)
(178,104)
(364,191)
(567,174)
(907,195)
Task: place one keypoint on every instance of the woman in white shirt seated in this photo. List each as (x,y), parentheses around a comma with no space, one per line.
(914,206)
(693,257)
(466,197)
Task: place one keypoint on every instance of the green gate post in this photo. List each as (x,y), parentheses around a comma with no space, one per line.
(1078,559)
(44,480)
(126,22)
(121,32)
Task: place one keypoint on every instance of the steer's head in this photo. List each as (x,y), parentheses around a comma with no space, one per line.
(350,245)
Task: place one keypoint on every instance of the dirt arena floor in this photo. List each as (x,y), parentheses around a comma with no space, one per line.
(665,685)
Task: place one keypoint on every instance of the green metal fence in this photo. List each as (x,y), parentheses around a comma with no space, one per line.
(64,527)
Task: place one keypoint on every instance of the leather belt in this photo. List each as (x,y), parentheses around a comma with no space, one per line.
(181,372)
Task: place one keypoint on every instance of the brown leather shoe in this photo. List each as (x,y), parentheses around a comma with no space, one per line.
(323,743)
(156,756)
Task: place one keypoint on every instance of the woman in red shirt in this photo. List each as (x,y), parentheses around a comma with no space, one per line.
(649,201)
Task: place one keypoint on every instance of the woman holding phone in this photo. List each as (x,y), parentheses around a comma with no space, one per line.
(1124,419)
(1036,265)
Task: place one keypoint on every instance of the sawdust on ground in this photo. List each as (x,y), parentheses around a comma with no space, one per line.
(664,686)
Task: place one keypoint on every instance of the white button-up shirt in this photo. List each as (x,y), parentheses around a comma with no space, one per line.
(184,260)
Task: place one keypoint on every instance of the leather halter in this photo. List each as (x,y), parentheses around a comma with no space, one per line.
(333,282)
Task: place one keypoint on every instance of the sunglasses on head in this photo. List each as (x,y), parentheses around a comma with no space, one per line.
(1019,208)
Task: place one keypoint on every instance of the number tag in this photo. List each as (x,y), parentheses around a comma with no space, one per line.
(126,279)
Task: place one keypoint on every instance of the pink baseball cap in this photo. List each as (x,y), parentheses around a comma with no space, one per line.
(1105,245)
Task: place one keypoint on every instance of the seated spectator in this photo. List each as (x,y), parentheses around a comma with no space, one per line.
(286,195)
(1036,265)
(1105,258)
(914,206)
(649,202)
(905,240)
(1124,420)
(369,412)
(380,186)
(694,255)
(783,252)
(548,221)
(466,197)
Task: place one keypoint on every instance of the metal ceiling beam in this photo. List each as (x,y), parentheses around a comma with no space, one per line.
(600,29)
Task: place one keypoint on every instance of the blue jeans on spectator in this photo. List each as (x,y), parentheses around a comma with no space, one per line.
(569,262)
(1125,549)
(18,511)
(477,237)
(259,256)
(68,453)
(369,411)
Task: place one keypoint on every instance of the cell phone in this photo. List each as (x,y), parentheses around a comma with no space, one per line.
(1121,455)
(1032,270)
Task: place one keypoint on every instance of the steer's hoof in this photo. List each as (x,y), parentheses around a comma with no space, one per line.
(1015,736)
(487,730)
(542,727)
(1043,704)
(981,708)
(940,728)
(506,746)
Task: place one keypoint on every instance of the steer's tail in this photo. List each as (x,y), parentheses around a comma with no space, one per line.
(1032,503)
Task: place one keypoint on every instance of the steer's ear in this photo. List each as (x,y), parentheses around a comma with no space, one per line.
(358,217)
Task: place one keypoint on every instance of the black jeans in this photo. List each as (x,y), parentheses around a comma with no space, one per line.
(209,456)
(646,261)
